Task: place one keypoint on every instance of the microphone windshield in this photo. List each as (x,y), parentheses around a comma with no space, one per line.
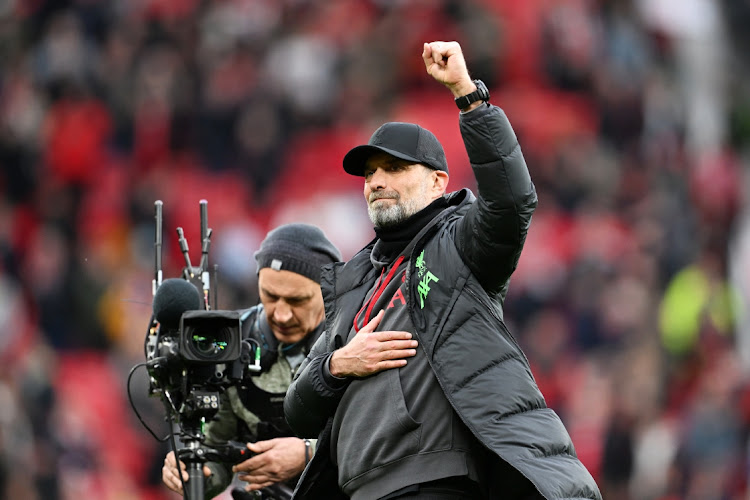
(173,297)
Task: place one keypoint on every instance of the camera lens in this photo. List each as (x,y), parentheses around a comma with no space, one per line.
(210,345)
(210,337)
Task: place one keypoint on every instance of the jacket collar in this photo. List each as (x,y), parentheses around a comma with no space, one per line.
(340,277)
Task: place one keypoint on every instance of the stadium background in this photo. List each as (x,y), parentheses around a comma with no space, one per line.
(630,297)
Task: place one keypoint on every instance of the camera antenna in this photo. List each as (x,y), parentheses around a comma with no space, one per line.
(158,205)
(204,219)
(205,236)
(188,271)
(205,245)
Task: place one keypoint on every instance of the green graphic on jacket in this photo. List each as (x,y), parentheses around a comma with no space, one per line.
(425,278)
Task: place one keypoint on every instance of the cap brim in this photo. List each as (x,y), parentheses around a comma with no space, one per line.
(355,159)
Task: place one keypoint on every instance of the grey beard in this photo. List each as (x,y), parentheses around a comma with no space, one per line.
(392,215)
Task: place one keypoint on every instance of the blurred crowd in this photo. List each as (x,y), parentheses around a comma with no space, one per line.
(630,298)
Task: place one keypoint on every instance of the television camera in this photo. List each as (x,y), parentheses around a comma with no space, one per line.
(193,353)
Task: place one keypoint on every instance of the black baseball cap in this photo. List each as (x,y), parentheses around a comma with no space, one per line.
(407,141)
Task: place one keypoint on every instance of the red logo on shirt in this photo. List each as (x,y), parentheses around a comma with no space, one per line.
(399,295)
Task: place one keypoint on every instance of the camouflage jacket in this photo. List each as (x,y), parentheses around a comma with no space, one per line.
(253,409)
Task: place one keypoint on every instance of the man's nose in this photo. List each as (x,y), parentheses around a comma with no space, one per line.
(377,180)
(282,313)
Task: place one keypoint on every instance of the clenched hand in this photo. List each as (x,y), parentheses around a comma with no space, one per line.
(275,460)
(169,474)
(445,62)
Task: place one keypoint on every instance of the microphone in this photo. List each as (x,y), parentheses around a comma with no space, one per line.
(173,297)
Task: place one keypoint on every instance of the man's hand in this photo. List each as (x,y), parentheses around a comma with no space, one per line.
(445,63)
(170,476)
(372,352)
(274,461)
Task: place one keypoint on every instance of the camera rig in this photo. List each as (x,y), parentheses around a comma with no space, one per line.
(193,353)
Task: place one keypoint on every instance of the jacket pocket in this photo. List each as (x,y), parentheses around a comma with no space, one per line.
(375,427)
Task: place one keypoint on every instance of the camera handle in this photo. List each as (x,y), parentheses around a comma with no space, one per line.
(195,455)
(195,484)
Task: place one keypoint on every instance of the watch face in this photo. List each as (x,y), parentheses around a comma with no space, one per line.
(484,94)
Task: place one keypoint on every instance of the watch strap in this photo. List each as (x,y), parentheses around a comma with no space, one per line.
(480,94)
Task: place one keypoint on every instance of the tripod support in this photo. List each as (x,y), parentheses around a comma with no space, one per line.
(195,454)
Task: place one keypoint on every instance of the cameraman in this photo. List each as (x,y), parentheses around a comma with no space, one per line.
(285,325)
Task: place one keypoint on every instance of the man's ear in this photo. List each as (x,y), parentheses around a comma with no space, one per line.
(439,182)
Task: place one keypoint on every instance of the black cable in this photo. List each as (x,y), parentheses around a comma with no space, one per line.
(132,404)
(173,442)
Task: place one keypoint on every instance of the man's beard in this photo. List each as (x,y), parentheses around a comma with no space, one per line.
(386,216)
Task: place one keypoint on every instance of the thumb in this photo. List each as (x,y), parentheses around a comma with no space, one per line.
(427,54)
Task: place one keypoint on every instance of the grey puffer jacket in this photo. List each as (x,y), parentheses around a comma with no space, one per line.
(457,278)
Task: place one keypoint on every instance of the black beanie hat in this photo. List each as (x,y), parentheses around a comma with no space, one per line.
(299,248)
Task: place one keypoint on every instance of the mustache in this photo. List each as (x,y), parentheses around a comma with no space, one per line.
(383,195)
(283,325)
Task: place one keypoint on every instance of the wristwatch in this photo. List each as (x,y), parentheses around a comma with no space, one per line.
(480,94)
